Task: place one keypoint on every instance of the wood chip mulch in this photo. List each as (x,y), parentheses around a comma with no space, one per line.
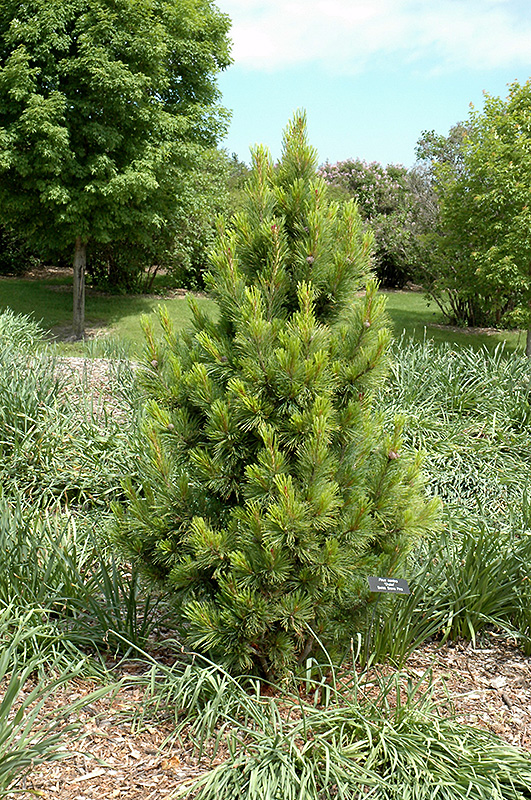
(109,758)
(487,687)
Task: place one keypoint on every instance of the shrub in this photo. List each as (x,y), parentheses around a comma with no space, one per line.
(15,256)
(271,489)
(481,270)
(389,200)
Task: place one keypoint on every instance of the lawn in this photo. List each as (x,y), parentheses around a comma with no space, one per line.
(413,315)
(118,316)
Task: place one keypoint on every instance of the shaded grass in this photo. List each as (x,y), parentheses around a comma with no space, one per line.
(50,302)
(412,315)
(118,316)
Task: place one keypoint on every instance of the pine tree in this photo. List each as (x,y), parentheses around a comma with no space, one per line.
(272,490)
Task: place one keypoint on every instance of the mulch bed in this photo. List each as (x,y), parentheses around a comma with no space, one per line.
(110,759)
(488,686)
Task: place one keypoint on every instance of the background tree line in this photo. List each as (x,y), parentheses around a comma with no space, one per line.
(108,115)
(459,222)
(109,147)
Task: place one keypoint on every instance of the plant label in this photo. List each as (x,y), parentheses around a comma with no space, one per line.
(390,585)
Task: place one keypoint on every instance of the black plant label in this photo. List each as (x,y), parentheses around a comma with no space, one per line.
(390,585)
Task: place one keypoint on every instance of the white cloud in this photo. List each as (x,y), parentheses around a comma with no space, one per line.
(343,35)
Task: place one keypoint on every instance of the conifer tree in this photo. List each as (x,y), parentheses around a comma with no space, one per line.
(272,490)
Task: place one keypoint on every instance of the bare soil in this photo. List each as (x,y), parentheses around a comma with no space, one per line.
(41,273)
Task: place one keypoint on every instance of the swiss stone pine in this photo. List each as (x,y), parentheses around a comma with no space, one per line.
(270,489)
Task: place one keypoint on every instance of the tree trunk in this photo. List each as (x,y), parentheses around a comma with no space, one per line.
(80,261)
(528,343)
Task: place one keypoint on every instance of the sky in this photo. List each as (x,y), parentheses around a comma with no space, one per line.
(371,74)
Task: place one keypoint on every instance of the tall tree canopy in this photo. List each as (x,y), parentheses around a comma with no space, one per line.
(485,242)
(104,105)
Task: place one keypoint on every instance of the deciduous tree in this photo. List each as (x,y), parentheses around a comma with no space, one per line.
(485,242)
(103,106)
(388,203)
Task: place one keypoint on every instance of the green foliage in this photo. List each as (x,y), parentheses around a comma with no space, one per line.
(194,224)
(479,579)
(388,199)
(386,740)
(20,331)
(15,256)
(434,150)
(483,247)
(57,579)
(29,735)
(63,460)
(469,412)
(76,598)
(100,104)
(180,248)
(194,693)
(271,489)
(238,176)
(105,107)
(55,444)
(62,593)
(463,583)
(465,409)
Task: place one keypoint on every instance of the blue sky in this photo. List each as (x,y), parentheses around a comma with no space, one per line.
(371,74)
